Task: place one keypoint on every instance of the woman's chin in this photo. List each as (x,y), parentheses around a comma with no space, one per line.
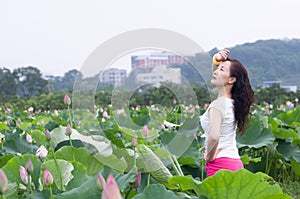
(213,82)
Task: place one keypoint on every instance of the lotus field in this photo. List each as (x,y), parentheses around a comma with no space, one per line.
(142,153)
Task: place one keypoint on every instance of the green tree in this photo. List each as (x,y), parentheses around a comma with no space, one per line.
(29,82)
(8,85)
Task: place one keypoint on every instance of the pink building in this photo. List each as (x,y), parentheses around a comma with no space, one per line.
(156,59)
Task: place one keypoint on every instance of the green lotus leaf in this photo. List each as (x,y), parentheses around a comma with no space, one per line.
(152,164)
(112,161)
(255,136)
(186,183)
(88,189)
(290,116)
(102,144)
(241,184)
(80,155)
(12,171)
(155,191)
(79,175)
(289,150)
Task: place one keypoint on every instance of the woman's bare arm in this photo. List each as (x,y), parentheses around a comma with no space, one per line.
(214,134)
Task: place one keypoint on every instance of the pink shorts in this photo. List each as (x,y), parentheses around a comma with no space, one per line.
(223,163)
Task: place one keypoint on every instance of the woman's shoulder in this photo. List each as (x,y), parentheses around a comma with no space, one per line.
(221,100)
(221,103)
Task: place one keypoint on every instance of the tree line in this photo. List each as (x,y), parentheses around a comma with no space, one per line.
(26,82)
(25,87)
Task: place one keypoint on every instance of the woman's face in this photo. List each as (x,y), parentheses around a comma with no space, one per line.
(221,76)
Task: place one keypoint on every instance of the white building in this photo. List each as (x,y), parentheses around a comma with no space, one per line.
(292,88)
(287,88)
(113,76)
(160,74)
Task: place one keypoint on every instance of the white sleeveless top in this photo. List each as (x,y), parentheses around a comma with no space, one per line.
(227,140)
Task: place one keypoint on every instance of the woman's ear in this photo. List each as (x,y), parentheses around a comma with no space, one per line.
(232,80)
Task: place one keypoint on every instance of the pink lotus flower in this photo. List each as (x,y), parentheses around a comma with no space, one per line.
(23,174)
(68,130)
(100,181)
(271,106)
(145,130)
(105,115)
(111,189)
(120,111)
(29,166)
(7,110)
(67,99)
(47,177)
(28,138)
(41,152)
(192,110)
(3,182)
(55,112)
(30,109)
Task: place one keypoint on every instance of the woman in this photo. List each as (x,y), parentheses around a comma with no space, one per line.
(227,114)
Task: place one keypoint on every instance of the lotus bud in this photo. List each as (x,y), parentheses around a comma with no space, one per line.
(68,130)
(137,181)
(134,141)
(48,135)
(41,152)
(23,174)
(3,182)
(29,166)
(28,138)
(118,135)
(145,130)
(47,177)
(111,189)
(267,112)
(100,181)
(67,99)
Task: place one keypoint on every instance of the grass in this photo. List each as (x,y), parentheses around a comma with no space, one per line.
(291,188)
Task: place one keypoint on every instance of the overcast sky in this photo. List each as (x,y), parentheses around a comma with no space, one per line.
(58,35)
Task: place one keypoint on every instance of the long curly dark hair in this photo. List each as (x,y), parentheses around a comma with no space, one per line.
(242,94)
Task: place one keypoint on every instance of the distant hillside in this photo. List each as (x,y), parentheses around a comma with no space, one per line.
(269,60)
